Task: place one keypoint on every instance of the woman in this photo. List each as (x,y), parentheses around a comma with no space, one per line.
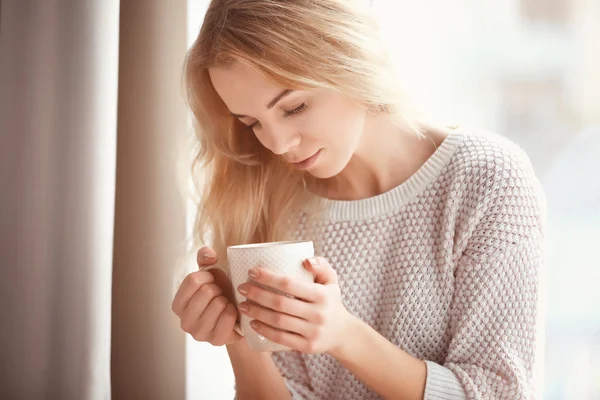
(430,239)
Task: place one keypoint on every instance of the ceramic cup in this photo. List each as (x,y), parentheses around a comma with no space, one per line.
(285,258)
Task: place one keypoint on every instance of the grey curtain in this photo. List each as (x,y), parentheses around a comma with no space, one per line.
(86,263)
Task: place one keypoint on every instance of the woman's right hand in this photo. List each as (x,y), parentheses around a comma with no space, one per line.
(204,303)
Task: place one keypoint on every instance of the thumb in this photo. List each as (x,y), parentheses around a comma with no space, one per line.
(322,270)
(206,257)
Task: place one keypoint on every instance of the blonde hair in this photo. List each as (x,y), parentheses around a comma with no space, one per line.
(250,194)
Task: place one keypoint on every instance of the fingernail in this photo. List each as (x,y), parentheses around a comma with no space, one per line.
(242,289)
(254,324)
(253,273)
(243,307)
(313,261)
(206,256)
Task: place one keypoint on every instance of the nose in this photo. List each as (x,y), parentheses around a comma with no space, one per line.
(280,141)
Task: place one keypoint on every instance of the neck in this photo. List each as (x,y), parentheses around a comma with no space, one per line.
(388,154)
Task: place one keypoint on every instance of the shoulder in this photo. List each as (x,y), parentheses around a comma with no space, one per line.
(494,189)
(488,166)
(491,155)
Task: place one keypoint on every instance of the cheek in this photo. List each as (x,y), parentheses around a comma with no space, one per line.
(340,137)
(340,126)
(348,129)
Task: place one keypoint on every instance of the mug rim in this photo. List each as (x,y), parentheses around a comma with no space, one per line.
(268,244)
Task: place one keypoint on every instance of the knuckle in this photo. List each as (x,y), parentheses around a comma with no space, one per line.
(286,284)
(319,333)
(198,337)
(209,337)
(278,319)
(278,336)
(186,325)
(212,290)
(221,302)
(320,317)
(311,347)
(230,314)
(197,278)
(320,296)
(279,302)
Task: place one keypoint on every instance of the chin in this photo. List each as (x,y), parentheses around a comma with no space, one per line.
(326,171)
(320,174)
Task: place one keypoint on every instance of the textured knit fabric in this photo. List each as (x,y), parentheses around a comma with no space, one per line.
(446,267)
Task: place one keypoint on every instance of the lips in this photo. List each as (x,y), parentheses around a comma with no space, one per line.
(307,162)
(301,160)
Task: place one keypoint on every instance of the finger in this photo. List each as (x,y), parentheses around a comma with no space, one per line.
(294,287)
(276,319)
(200,301)
(221,279)
(322,270)
(224,332)
(289,339)
(276,301)
(206,257)
(188,287)
(210,316)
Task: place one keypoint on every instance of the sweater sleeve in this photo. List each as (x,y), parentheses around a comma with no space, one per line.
(494,312)
(494,319)
(293,370)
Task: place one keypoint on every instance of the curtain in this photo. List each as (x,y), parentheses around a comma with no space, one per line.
(150,219)
(90,219)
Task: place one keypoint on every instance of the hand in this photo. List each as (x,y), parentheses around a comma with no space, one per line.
(204,303)
(315,321)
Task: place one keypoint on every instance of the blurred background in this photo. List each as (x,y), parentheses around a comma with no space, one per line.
(92,227)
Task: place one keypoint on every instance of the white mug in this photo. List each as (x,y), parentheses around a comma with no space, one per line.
(284,258)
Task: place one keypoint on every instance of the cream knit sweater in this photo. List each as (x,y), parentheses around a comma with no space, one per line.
(445,266)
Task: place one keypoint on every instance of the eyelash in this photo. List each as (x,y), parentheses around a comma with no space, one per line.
(286,114)
(296,110)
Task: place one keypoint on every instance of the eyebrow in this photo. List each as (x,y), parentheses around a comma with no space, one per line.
(272,103)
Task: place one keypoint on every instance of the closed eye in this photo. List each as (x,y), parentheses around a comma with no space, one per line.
(286,113)
(252,126)
(296,110)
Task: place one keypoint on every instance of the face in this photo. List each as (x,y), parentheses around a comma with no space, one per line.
(316,130)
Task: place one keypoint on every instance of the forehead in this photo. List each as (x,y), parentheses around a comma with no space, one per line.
(243,90)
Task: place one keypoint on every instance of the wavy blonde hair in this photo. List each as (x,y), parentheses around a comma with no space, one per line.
(248,194)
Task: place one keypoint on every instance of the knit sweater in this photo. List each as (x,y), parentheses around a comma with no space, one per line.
(446,267)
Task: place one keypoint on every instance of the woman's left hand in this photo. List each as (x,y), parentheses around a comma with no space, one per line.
(315,321)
